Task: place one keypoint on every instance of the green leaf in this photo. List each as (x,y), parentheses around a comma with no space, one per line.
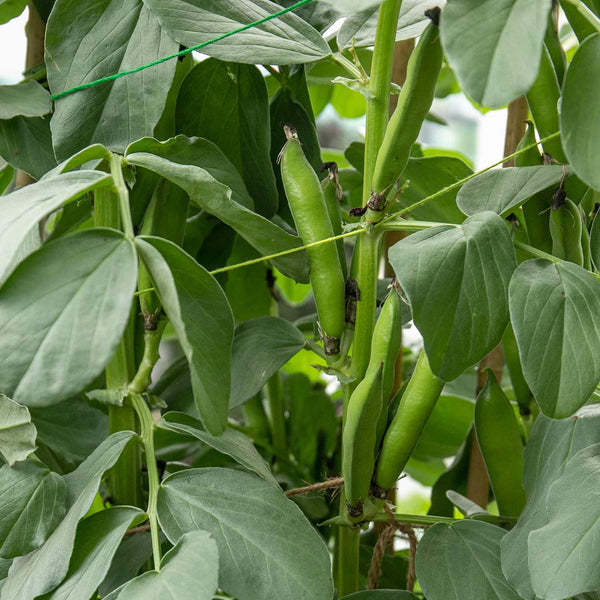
(555,312)
(462,562)
(198,310)
(42,570)
(7,174)
(21,210)
(230,442)
(27,99)
(260,348)
(501,190)
(427,176)
(380,595)
(359,27)
(595,242)
(456,278)
(285,40)
(10,9)
(96,542)
(349,7)
(185,167)
(256,559)
(580,126)
(68,432)
(233,112)
(110,36)
(560,570)
(26,144)
(187,572)
(32,502)
(548,449)
(480,38)
(17,432)
(61,316)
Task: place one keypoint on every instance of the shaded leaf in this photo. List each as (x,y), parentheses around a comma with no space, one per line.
(26,99)
(10,9)
(555,311)
(256,560)
(286,40)
(260,348)
(479,39)
(17,432)
(456,278)
(85,45)
(60,320)
(380,595)
(198,310)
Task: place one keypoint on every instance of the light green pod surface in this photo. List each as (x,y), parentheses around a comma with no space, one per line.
(417,402)
(566,233)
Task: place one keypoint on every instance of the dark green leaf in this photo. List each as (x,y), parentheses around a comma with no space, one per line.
(286,40)
(21,210)
(7,174)
(198,310)
(230,442)
(480,39)
(503,189)
(175,388)
(185,168)
(32,504)
(17,432)
(42,570)
(10,9)
(232,112)
(462,562)
(260,348)
(595,242)
(85,45)
(188,572)
(286,561)
(27,99)
(60,318)
(555,312)
(456,278)
(96,542)
(579,124)
(550,446)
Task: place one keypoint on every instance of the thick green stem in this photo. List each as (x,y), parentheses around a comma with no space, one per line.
(147,422)
(143,378)
(348,560)
(123,194)
(125,477)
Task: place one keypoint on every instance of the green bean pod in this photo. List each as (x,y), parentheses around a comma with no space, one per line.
(510,349)
(555,49)
(307,203)
(332,192)
(566,232)
(414,103)
(401,437)
(501,446)
(358,439)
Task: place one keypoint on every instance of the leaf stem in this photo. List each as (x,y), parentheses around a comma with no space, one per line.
(122,192)
(147,423)
(143,377)
(535,252)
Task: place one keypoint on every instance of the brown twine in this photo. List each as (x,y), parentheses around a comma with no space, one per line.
(334,482)
(139,529)
(385,538)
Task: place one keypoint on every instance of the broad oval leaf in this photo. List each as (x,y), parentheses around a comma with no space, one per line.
(462,562)
(17,432)
(62,314)
(42,570)
(260,348)
(199,312)
(349,7)
(548,449)
(23,209)
(85,45)
(501,190)
(231,442)
(27,99)
(561,570)
(256,559)
(580,125)
(555,312)
(96,541)
(184,165)
(480,38)
(233,113)
(32,502)
(456,278)
(380,595)
(285,40)
(187,572)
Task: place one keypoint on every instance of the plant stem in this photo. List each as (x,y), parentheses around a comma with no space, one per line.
(536,252)
(147,422)
(123,194)
(348,539)
(143,378)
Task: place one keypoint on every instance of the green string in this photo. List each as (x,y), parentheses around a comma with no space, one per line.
(270,17)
